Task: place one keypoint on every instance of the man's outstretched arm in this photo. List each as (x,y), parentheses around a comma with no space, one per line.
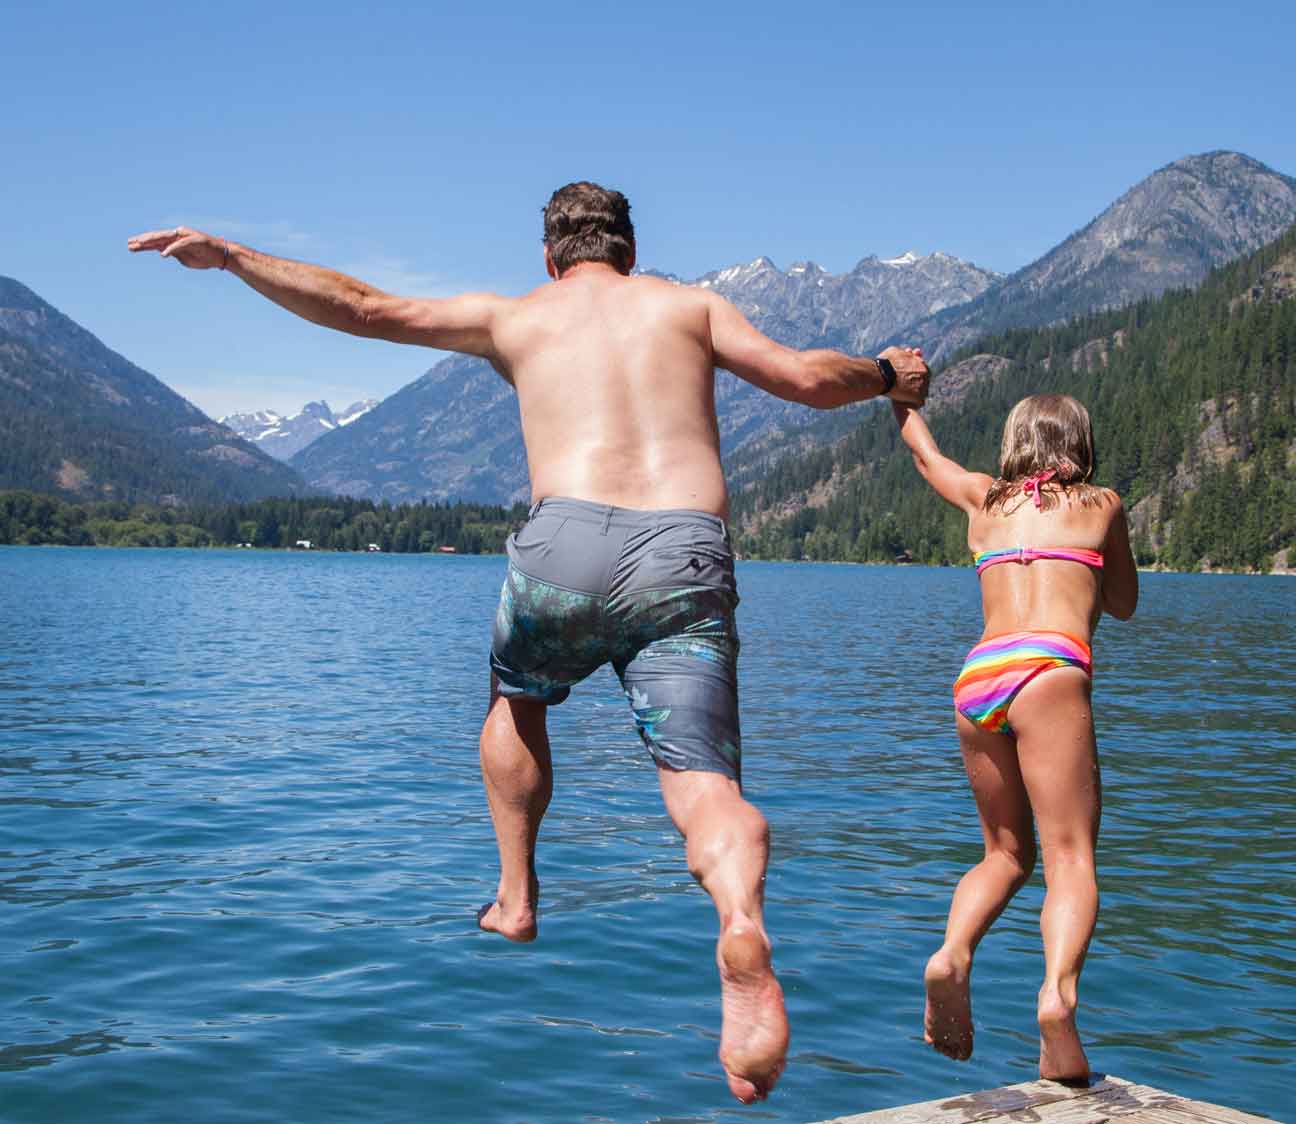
(820,377)
(334,300)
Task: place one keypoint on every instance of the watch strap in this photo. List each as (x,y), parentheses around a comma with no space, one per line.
(888,375)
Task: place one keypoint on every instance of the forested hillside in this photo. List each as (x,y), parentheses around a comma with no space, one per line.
(78,419)
(1192,398)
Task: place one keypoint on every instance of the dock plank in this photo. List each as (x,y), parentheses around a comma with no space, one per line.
(1103,1098)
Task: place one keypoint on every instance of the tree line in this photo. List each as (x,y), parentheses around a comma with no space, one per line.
(327,523)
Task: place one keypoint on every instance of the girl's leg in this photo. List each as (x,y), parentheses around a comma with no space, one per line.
(1002,804)
(1053,720)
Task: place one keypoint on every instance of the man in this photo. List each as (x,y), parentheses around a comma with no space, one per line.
(625,557)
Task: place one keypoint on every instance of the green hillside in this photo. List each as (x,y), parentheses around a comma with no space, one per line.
(81,421)
(1192,398)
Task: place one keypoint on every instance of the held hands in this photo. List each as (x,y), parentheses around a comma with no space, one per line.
(196,250)
(912,375)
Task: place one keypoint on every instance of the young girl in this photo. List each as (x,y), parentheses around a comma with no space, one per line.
(1052,552)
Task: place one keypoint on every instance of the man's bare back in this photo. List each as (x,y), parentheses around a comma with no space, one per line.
(614,377)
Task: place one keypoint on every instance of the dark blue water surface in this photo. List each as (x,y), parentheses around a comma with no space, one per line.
(242,842)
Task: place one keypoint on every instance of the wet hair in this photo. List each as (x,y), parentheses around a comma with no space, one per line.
(586,222)
(1046,431)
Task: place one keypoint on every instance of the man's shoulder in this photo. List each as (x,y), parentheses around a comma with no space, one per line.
(667,283)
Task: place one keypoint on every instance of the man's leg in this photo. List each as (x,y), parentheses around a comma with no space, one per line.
(728,846)
(518,774)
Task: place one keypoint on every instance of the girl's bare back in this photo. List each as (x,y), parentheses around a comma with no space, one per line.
(1051,594)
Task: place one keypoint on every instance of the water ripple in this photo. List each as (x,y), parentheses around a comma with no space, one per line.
(244,842)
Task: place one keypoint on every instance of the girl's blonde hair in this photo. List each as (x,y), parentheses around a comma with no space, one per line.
(1043,432)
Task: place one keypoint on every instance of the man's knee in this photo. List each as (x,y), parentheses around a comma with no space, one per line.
(520,716)
(721,832)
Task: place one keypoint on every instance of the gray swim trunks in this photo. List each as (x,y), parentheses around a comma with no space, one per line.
(653,592)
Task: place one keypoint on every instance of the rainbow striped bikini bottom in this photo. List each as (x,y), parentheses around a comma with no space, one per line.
(997,669)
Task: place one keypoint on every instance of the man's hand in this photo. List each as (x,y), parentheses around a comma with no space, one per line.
(912,375)
(190,248)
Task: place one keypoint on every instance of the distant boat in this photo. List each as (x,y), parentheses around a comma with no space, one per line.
(446,550)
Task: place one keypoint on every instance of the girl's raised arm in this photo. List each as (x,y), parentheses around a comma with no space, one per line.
(1120,574)
(949,479)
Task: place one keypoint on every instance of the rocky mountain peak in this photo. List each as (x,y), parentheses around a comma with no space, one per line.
(284,436)
(1167,231)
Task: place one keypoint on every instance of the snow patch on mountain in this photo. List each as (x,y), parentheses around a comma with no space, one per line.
(283,435)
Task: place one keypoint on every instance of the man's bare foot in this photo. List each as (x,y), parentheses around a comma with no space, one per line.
(754,1037)
(1062,1058)
(515,921)
(947,1022)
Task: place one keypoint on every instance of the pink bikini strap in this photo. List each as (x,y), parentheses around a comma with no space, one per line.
(1031,485)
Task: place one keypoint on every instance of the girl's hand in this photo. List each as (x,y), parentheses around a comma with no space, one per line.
(912,375)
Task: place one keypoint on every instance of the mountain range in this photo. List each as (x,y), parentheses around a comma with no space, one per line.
(282,435)
(454,432)
(1193,401)
(78,419)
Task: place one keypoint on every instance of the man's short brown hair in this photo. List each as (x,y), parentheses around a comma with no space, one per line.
(586,222)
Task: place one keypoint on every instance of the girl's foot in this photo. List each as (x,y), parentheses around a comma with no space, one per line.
(947,1022)
(1062,1058)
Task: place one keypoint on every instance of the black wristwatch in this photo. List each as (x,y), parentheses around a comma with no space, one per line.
(888,374)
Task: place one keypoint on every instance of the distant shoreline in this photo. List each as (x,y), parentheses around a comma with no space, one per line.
(500,554)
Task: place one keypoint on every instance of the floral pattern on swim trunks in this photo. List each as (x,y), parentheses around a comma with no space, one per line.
(647,717)
(547,637)
(550,638)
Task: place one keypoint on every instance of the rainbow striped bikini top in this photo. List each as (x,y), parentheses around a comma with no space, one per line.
(984,559)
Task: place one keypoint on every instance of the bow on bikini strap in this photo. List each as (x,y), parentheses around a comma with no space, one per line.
(1031,485)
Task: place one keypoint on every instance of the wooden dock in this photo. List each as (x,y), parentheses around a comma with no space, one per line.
(1104,1098)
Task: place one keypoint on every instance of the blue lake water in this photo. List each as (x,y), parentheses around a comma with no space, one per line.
(243,840)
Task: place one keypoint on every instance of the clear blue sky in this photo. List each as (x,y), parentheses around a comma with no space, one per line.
(414,144)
